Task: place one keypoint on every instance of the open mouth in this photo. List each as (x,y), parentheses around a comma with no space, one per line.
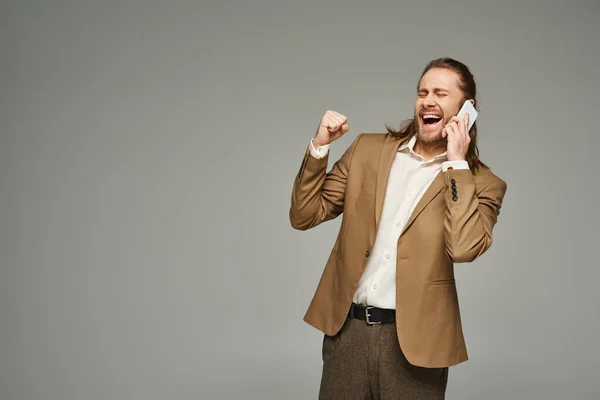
(430,119)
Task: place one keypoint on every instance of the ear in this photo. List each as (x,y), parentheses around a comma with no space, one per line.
(472,101)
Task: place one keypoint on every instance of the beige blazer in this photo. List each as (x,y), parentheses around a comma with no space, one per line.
(440,232)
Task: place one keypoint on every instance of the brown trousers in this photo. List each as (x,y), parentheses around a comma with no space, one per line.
(365,362)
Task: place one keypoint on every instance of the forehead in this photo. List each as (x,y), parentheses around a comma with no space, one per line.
(440,78)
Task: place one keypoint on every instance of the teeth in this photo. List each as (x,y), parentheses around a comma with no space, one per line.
(431,116)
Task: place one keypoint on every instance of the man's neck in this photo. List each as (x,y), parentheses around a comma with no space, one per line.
(429,152)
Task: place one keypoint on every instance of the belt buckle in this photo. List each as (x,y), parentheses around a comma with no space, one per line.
(367,316)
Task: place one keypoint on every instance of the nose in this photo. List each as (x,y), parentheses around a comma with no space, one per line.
(428,101)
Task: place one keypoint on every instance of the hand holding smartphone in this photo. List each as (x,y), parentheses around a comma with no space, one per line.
(467,108)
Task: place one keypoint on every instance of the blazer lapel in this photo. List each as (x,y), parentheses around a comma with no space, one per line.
(436,186)
(386,159)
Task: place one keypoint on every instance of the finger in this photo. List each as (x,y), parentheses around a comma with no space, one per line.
(332,116)
(465,127)
(331,124)
(452,131)
(343,117)
(445,132)
(462,122)
(338,120)
(459,125)
(451,124)
(345,128)
(457,120)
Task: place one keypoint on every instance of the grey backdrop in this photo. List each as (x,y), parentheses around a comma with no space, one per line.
(147,156)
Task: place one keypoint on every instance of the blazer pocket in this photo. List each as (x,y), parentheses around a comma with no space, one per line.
(336,252)
(442,282)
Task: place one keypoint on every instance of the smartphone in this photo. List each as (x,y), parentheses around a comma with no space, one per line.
(468,108)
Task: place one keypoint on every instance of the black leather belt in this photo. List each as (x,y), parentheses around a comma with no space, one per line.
(372,315)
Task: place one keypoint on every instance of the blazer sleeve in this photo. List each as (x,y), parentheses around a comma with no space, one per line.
(470,215)
(318,195)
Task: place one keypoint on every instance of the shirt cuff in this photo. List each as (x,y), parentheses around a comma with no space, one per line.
(458,164)
(320,152)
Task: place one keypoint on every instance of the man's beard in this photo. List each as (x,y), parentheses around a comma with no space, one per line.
(430,141)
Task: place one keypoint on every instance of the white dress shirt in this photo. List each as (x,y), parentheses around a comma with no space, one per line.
(409,178)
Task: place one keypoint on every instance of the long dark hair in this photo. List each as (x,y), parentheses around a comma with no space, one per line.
(469,89)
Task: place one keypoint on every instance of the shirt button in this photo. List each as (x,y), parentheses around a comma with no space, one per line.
(374,287)
(398,224)
(387,256)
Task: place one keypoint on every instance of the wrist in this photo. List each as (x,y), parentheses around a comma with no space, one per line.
(318,144)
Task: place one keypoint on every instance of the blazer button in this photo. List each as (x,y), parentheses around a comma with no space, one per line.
(453,181)
(367,253)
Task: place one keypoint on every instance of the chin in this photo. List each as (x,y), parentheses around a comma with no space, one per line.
(434,137)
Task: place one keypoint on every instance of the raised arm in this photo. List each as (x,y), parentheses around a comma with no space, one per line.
(318,195)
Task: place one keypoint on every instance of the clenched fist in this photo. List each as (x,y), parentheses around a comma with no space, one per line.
(332,126)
